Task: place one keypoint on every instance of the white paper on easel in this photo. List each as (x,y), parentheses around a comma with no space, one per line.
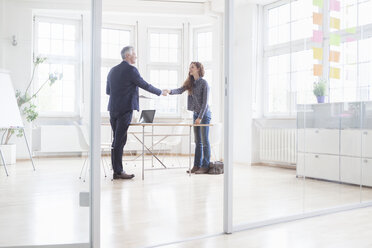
(10,116)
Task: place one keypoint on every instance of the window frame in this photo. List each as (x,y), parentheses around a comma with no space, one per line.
(166,66)
(208,65)
(108,62)
(75,60)
(362,32)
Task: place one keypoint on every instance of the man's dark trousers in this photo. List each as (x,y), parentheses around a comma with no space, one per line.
(119,124)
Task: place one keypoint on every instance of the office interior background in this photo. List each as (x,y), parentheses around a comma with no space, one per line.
(293,157)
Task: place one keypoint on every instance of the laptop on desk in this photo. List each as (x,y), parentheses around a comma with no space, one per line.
(147,116)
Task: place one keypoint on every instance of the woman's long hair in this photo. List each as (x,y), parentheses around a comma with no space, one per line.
(189,82)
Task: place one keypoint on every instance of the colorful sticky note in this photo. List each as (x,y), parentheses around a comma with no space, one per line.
(334,56)
(318,53)
(334,5)
(317,18)
(318,70)
(334,23)
(318,3)
(317,36)
(334,72)
(334,39)
(351,30)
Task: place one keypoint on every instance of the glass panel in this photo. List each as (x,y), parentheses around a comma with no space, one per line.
(113,40)
(278,83)
(273,17)
(165,79)
(69,32)
(44,46)
(57,31)
(44,30)
(164,47)
(209,78)
(331,128)
(69,48)
(44,207)
(104,97)
(204,47)
(67,75)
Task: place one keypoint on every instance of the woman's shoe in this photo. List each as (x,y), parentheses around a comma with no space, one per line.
(202,170)
(193,170)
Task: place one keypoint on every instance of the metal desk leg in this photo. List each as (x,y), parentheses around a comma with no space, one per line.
(143,152)
(2,158)
(152,145)
(28,148)
(190,151)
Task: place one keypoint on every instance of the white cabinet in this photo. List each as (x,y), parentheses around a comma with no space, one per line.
(331,143)
(341,156)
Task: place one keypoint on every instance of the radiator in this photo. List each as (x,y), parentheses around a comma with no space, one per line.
(278,145)
(56,139)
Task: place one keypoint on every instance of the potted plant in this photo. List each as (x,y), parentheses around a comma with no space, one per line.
(27,107)
(319,90)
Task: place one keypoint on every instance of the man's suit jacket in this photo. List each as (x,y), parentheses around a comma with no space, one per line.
(123,81)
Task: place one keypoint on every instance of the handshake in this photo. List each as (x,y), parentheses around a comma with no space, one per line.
(165,92)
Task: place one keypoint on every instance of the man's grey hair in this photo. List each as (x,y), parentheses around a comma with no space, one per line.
(126,50)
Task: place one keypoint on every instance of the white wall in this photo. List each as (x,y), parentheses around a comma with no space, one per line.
(243,62)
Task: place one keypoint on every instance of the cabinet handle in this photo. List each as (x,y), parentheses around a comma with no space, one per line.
(365,161)
(317,131)
(365,133)
(317,156)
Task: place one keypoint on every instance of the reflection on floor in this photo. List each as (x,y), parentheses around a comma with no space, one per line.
(42,207)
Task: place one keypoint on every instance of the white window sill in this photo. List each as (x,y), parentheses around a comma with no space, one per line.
(277,117)
(47,116)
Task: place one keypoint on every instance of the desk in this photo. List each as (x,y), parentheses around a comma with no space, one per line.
(164,125)
(152,125)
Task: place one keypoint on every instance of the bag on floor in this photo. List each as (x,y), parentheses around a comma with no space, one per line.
(215,167)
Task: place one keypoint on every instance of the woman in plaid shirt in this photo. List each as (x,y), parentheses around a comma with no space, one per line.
(197,101)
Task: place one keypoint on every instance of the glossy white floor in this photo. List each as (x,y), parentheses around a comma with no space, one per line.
(42,207)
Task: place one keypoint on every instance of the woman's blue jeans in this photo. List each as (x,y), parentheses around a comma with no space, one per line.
(202,146)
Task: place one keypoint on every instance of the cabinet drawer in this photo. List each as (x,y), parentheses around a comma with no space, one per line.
(351,142)
(314,140)
(318,166)
(350,170)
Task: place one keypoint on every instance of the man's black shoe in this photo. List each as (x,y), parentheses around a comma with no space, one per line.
(123,175)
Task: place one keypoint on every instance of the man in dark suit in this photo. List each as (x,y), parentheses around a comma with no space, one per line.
(123,81)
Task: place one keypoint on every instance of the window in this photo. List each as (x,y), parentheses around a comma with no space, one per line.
(164,69)
(203,47)
(288,70)
(58,40)
(113,40)
(288,60)
(355,53)
(289,22)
